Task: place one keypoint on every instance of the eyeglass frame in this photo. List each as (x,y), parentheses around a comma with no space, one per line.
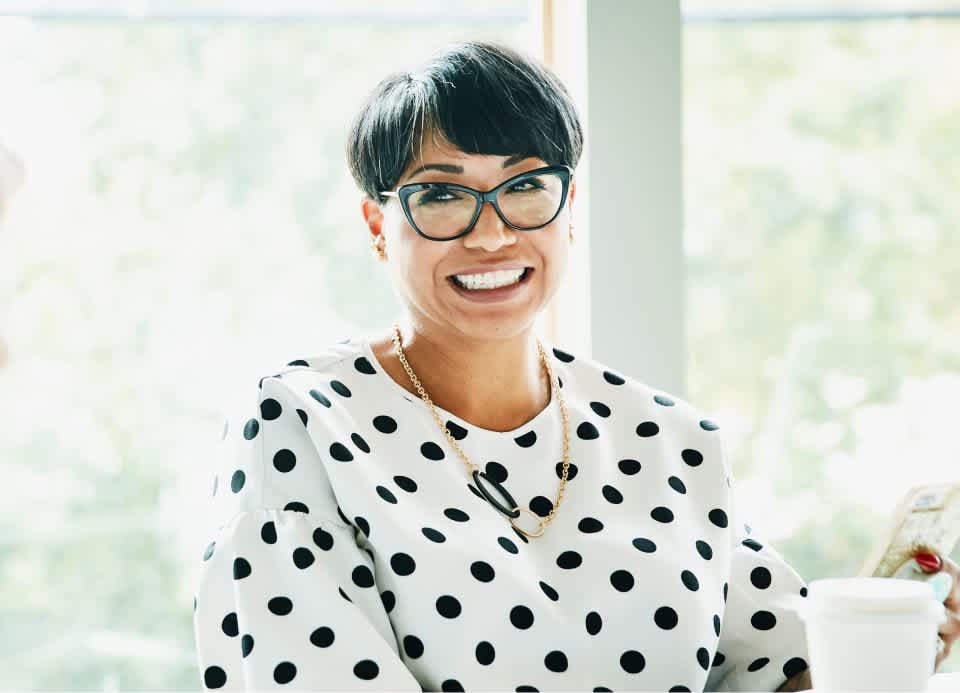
(404,192)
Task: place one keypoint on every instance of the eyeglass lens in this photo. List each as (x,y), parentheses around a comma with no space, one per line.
(528,202)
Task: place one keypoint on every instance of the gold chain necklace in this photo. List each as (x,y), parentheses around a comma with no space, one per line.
(514,510)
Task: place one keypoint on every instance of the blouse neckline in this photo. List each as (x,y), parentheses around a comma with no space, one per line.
(542,420)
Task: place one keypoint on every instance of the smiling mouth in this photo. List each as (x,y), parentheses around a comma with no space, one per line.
(527,271)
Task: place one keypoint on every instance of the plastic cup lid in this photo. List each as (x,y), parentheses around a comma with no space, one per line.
(873,595)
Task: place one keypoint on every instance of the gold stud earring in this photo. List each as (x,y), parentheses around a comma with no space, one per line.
(379,251)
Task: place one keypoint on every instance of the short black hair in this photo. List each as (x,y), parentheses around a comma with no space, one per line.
(480,97)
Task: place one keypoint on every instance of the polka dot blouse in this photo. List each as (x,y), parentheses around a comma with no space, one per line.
(349,549)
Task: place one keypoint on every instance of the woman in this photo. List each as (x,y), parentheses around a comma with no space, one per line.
(450,506)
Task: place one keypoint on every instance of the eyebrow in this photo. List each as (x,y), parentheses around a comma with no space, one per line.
(453,168)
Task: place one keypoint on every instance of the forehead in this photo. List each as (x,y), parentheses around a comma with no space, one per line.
(435,154)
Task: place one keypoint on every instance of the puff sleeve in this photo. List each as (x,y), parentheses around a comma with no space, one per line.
(761,644)
(286,597)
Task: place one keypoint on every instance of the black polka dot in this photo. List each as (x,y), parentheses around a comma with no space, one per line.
(647,429)
(594,623)
(485,653)
(632,662)
(665,618)
(794,666)
(456,515)
(708,425)
(433,535)
(303,557)
(526,689)
(571,471)
(703,658)
(763,620)
(241,568)
(229,625)
(549,591)
(384,424)
(386,494)
(344,594)
(678,689)
(613,378)
(760,578)
(214,677)
(496,472)
(587,431)
(389,600)
(716,624)
(237,481)
(270,409)
(208,552)
(677,485)
(320,397)
(402,563)
(703,548)
(569,560)
(451,686)
(527,440)
(323,539)
(359,442)
(803,591)
(612,494)
(689,580)
(303,416)
(600,409)
(482,571)
(448,606)
(284,672)
(362,523)
(413,646)
(363,365)
(662,514)
(297,507)
(622,580)
(521,617)
(366,669)
(362,577)
(725,586)
(250,429)
(431,451)
(339,452)
(758,664)
(718,659)
(562,355)
(629,467)
(246,645)
(281,606)
(556,661)
(508,545)
(752,544)
(644,544)
(284,461)
(590,525)
(340,388)
(541,505)
(322,637)
(299,362)
(405,483)
(663,401)
(718,517)
(458,432)
(692,457)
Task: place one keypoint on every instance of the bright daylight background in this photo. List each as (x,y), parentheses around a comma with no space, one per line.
(187,223)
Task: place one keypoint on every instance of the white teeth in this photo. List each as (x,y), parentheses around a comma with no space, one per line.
(489,280)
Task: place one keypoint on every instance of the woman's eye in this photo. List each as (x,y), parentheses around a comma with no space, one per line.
(437,195)
(526,185)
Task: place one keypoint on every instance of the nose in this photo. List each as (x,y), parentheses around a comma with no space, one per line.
(490,233)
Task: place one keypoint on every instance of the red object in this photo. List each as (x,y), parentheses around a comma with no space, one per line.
(929,562)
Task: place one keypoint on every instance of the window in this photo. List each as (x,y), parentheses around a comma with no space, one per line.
(822,162)
(187,218)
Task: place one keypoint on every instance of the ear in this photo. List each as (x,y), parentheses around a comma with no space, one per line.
(373,216)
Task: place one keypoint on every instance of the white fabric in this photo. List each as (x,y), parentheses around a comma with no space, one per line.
(389,573)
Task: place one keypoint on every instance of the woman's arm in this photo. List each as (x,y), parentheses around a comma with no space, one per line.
(800,682)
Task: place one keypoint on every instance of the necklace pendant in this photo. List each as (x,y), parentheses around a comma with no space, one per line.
(511,512)
(540,524)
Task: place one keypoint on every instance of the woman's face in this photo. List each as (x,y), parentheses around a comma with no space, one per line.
(421,269)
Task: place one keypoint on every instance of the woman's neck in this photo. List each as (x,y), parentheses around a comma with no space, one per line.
(498,385)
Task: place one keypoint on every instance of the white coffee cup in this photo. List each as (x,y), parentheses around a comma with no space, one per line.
(871,634)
